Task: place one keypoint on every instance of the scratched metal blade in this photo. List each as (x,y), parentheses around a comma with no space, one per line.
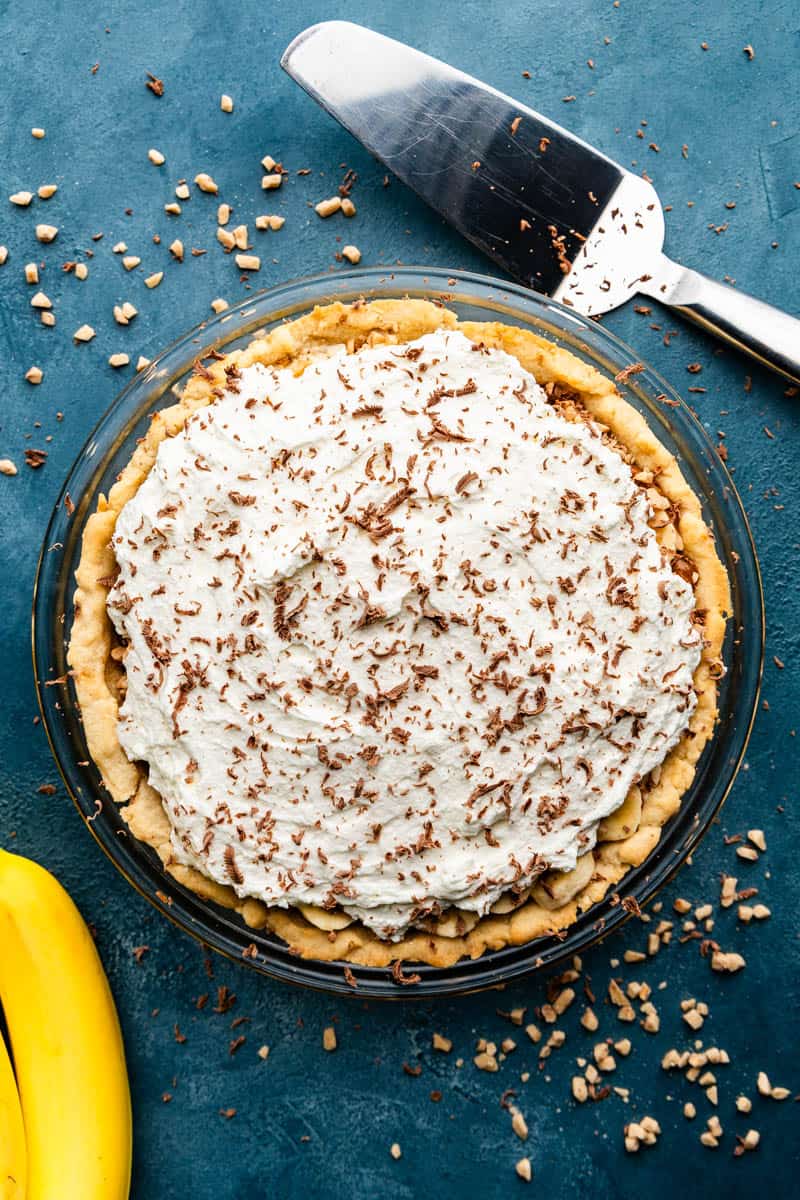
(550,210)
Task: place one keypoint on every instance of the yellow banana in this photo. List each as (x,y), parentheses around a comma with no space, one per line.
(64,1032)
(12,1133)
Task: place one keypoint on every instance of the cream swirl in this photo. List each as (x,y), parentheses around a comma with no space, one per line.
(399,634)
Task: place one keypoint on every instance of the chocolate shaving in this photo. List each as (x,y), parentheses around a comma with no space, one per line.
(440,432)
(231,869)
(406,981)
(625,374)
(465,481)
(284,618)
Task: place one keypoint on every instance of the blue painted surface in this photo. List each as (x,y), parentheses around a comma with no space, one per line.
(309,1123)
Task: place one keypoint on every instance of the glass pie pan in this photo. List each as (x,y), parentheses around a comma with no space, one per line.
(476,298)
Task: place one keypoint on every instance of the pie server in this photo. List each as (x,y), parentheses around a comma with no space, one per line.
(548,208)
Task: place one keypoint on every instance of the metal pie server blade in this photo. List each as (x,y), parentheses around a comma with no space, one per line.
(524,190)
(553,212)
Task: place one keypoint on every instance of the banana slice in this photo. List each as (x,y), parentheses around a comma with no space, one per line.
(508,902)
(330,920)
(557,888)
(625,820)
(454,923)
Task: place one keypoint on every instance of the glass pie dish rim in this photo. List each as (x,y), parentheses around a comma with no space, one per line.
(224,929)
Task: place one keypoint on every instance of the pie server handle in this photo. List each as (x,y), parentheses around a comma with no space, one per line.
(765,333)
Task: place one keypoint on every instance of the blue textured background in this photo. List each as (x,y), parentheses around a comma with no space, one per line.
(310,1123)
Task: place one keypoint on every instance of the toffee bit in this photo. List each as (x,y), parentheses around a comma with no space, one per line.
(206,183)
(329,1041)
(248,262)
(524,1169)
(326,208)
(519,1124)
(154,84)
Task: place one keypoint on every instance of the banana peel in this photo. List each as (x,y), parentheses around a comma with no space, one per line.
(13,1155)
(66,1042)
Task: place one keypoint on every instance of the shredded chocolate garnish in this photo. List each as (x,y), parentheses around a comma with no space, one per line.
(231,868)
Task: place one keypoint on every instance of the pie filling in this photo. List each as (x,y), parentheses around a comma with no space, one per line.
(398,633)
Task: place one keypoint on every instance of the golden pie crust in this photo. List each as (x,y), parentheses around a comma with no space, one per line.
(626,838)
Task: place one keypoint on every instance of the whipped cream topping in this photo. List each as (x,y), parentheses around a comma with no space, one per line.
(399,634)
